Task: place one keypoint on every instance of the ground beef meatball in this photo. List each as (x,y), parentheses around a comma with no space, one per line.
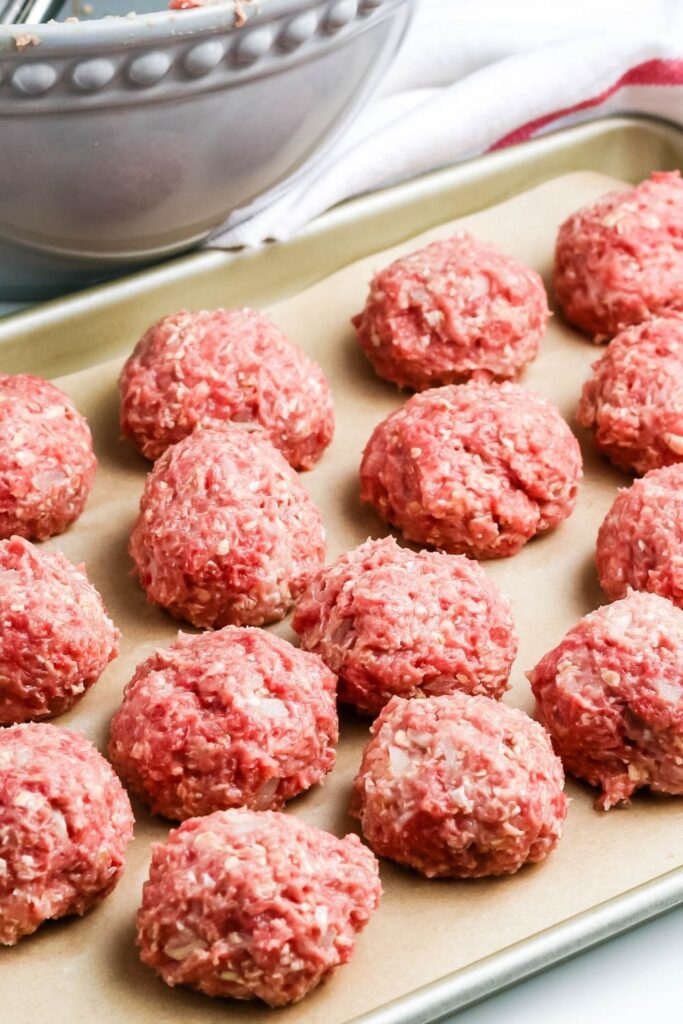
(620,261)
(65,823)
(56,638)
(254,904)
(611,696)
(473,469)
(640,541)
(459,786)
(220,366)
(634,399)
(456,309)
(226,532)
(226,719)
(47,463)
(388,621)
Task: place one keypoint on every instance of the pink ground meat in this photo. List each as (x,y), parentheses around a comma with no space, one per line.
(220,366)
(473,469)
(389,621)
(620,261)
(65,824)
(254,904)
(634,399)
(640,541)
(56,638)
(611,696)
(226,534)
(459,786)
(187,5)
(47,463)
(456,309)
(226,719)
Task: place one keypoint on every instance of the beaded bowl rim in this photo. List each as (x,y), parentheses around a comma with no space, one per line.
(143,29)
(94,68)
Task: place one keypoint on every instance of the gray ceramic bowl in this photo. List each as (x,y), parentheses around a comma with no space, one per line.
(126,140)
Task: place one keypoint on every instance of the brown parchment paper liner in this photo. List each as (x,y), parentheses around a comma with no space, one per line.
(88,970)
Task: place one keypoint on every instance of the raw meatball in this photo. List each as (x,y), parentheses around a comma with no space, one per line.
(634,400)
(611,696)
(65,823)
(459,786)
(389,621)
(254,904)
(237,717)
(56,638)
(474,469)
(47,464)
(226,532)
(620,261)
(214,367)
(456,309)
(640,542)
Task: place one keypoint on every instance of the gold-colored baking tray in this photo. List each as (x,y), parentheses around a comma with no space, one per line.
(434,946)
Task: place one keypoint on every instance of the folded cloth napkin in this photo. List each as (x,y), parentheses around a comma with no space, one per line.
(477,75)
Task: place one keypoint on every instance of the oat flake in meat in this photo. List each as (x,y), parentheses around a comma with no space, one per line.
(640,541)
(459,786)
(456,309)
(65,824)
(224,365)
(226,534)
(47,463)
(254,904)
(234,718)
(620,261)
(56,638)
(390,621)
(634,399)
(611,696)
(474,469)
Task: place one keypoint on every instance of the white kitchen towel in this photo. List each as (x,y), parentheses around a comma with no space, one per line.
(476,75)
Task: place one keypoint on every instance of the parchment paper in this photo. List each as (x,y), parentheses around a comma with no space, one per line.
(88,970)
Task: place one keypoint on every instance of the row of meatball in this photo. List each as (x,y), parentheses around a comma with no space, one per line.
(455,310)
(512,463)
(254,543)
(477,468)
(381,622)
(514,467)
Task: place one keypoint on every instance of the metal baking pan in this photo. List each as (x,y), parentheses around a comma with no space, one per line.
(70,334)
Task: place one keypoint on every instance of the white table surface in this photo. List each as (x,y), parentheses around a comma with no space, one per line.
(636,978)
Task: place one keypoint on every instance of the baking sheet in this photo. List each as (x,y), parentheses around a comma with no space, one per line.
(88,969)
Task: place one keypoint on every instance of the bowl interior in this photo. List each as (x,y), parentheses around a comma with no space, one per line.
(89,10)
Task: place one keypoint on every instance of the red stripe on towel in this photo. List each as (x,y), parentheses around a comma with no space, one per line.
(650,72)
